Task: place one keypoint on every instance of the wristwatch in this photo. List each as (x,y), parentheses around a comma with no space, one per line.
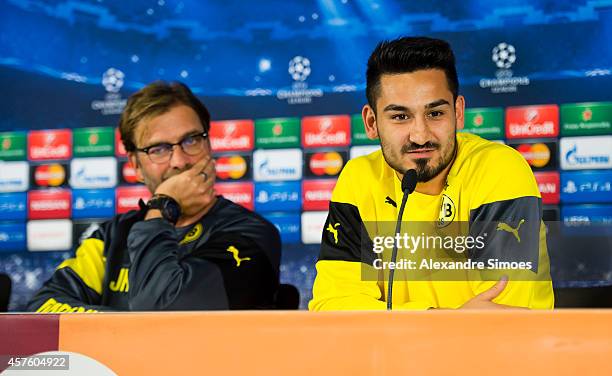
(169,208)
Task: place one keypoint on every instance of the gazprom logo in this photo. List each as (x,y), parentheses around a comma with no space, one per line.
(586,152)
(277,165)
(93,172)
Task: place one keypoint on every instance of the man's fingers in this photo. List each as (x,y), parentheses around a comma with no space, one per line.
(494,291)
(200,166)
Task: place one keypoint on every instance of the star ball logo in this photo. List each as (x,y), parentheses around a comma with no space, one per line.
(299,68)
(112,80)
(504,56)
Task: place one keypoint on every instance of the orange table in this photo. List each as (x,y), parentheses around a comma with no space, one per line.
(564,342)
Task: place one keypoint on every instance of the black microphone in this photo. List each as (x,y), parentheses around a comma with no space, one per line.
(409,182)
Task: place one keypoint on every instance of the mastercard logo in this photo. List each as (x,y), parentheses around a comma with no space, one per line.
(129,173)
(52,175)
(234,167)
(537,155)
(329,163)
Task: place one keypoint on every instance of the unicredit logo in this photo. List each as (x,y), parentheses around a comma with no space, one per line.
(339,137)
(530,129)
(242,142)
(49,152)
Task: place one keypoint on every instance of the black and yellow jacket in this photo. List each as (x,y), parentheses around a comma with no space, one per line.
(490,188)
(228,260)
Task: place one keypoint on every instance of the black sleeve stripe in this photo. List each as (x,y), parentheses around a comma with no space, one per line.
(512,229)
(345,236)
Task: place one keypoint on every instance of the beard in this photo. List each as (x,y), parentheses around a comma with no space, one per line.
(426,168)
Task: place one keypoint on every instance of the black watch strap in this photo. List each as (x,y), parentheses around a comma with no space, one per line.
(169,208)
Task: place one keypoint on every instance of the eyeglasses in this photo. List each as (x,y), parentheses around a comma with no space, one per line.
(190,145)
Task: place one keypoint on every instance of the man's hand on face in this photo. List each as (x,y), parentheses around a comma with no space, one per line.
(192,189)
(485,300)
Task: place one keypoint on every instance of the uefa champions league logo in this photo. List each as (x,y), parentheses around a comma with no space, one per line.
(112,80)
(504,55)
(300,93)
(112,104)
(299,68)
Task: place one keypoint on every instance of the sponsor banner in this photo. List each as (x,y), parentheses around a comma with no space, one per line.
(282,196)
(49,175)
(93,203)
(532,121)
(540,154)
(13,206)
(93,142)
(358,133)
(586,119)
(548,184)
(277,133)
(14,176)
(324,163)
(586,186)
(326,131)
(233,167)
(49,204)
(288,224)
(312,226)
(13,146)
(485,122)
(12,236)
(232,135)
(241,193)
(587,219)
(98,172)
(50,144)
(581,153)
(277,165)
(119,148)
(82,230)
(551,213)
(127,173)
(316,194)
(358,151)
(127,198)
(49,235)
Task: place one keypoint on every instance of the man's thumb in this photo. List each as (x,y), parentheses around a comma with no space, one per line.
(494,291)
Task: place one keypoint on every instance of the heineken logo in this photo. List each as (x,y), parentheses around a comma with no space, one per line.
(587,114)
(277,130)
(6,144)
(478,120)
(93,139)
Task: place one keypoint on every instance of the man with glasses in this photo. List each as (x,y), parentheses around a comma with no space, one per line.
(187,248)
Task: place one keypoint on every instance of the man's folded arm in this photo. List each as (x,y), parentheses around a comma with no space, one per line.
(76,284)
(231,272)
(346,279)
